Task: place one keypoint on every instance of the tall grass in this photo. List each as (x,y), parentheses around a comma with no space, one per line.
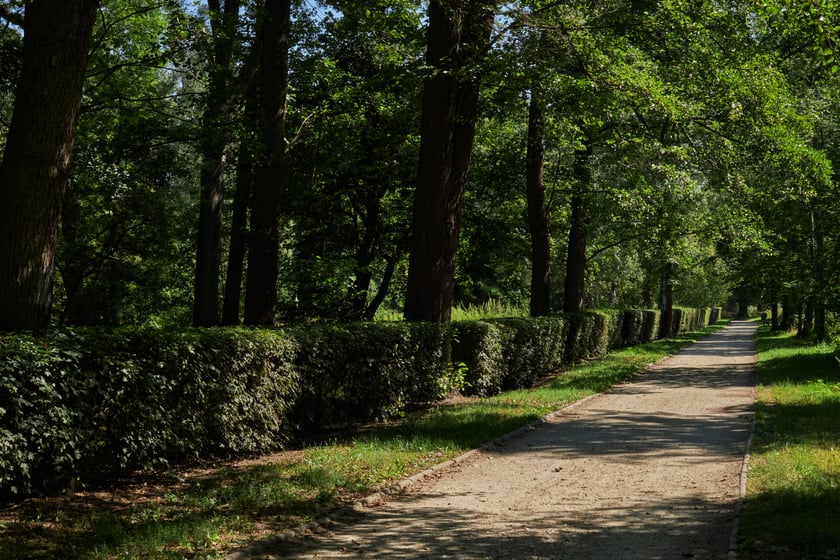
(491,309)
(793,504)
(201,514)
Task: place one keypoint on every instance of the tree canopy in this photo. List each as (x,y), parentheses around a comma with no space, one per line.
(280,161)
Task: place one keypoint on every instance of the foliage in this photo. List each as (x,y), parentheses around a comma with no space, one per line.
(86,402)
(794,478)
(369,371)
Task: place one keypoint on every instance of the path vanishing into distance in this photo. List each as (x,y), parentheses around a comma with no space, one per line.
(651,469)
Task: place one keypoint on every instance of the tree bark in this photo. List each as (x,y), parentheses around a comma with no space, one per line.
(216,130)
(540,303)
(430,284)
(239,218)
(261,283)
(666,304)
(576,256)
(36,162)
(458,35)
(787,313)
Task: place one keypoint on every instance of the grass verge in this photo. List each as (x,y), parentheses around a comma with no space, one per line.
(793,489)
(202,513)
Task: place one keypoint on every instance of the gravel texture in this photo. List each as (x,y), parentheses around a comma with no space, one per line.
(650,470)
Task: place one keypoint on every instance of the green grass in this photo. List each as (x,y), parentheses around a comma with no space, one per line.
(491,309)
(793,504)
(211,512)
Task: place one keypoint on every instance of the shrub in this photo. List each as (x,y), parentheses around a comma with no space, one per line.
(82,402)
(367,371)
(479,345)
(508,353)
(588,336)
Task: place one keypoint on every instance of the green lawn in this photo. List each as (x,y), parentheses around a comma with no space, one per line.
(793,504)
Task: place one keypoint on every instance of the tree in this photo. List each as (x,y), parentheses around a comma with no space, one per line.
(36,159)
(458,37)
(216,129)
(540,303)
(261,282)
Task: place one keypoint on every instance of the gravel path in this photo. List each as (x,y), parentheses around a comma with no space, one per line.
(649,470)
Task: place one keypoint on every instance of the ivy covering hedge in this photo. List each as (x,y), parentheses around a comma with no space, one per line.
(83,403)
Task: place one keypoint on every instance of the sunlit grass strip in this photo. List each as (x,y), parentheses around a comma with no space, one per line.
(793,505)
(202,518)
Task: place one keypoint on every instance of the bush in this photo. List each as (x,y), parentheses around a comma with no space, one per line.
(508,353)
(82,402)
(589,336)
(368,371)
(479,345)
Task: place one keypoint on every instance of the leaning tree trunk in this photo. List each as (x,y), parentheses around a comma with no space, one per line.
(576,257)
(263,262)
(540,304)
(36,162)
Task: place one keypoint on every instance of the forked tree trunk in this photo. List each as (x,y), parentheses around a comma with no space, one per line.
(36,162)
(239,218)
(216,130)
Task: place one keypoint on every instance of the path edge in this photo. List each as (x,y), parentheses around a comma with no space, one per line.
(740,503)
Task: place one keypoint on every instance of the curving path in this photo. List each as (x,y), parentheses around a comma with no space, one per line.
(649,470)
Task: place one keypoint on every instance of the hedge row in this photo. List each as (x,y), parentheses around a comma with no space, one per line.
(85,403)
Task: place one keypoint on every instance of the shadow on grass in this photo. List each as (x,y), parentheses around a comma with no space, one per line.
(796,511)
(788,523)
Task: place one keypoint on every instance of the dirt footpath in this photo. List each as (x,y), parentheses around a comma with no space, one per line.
(649,470)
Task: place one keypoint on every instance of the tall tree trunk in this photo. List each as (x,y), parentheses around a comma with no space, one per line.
(216,131)
(239,218)
(540,304)
(458,34)
(806,322)
(774,316)
(365,255)
(261,283)
(36,162)
(666,304)
(576,257)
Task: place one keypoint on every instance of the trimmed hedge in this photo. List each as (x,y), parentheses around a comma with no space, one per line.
(81,403)
(88,401)
(369,371)
(502,354)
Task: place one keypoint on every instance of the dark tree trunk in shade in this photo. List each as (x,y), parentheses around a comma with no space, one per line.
(540,304)
(576,258)
(666,304)
(458,35)
(264,239)
(239,219)
(216,130)
(36,161)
